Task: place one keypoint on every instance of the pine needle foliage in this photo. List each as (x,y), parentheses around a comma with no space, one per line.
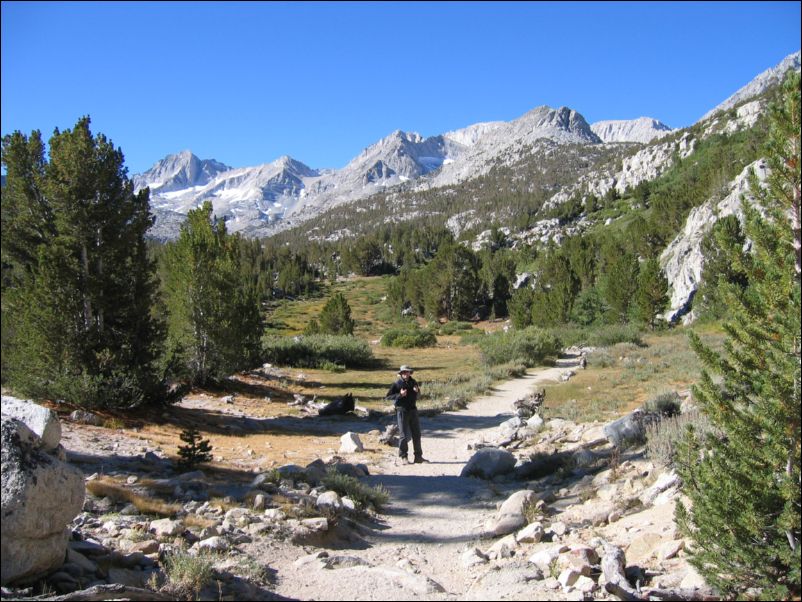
(214,317)
(196,450)
(336,316)
(743,478)
(78,285)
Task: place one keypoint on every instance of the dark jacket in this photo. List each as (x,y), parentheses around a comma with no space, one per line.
(408,400)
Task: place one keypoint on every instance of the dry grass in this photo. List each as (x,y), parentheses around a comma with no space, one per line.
(623,377)
(104,487)
(663,437)
(199,522)
(187,575)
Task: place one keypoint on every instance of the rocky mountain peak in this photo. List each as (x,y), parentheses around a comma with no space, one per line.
(285,162)
(563,124)
(179,171)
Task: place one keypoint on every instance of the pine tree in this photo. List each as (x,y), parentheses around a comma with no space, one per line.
(724,240)
(196,450)
(335,318)
(651,297)
(557,288)
(618,282)
(78,283)
(744,481)
(214,317)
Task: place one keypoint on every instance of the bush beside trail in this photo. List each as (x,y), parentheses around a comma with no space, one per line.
(529,346)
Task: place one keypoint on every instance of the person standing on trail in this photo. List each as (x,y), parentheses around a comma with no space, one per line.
(404,395)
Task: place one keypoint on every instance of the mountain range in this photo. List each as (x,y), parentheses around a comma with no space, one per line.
(261,198)
(264,199)
(549,152)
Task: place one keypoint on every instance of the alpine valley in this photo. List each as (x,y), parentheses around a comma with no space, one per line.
(539,179)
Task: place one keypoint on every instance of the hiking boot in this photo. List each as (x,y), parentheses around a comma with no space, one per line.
(420,460)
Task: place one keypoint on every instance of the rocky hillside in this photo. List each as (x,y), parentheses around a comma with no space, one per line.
(641,130)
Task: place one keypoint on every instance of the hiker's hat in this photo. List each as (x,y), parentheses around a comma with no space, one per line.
(405,369)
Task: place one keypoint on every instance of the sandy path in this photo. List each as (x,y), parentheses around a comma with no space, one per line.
(434,514)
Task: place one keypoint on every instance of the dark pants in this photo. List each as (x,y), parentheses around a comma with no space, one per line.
(409,430)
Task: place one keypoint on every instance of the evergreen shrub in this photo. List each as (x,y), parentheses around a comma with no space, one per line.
(409,336)
(318,351)
(529,346)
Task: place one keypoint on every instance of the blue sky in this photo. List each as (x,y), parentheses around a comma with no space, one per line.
(245,83)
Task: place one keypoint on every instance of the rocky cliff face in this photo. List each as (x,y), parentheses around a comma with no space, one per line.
(682,261)
(643,130)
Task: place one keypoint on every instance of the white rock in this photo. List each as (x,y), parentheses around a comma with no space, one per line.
(586,585)
(558,528)
(692,579)
(568,577)
(535,423)
(316,524)
(41,495)
(165,527)
(532,533)
(543,558)
(215,544)
(503,548)
(643,129)
(329,499)
(42,421)
(682,259)
(670,549)
(350,443)
(516,503)
(664,482)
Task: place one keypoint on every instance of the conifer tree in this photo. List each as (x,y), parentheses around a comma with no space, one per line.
(725,239)
(744,480)
(214,317)
(335,318)
(196,451)
(619,281)
(77,281)
(652,295)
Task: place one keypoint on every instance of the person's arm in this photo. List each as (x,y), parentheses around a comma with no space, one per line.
(394,393)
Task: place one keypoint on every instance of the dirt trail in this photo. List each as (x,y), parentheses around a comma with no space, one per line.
(434,514)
